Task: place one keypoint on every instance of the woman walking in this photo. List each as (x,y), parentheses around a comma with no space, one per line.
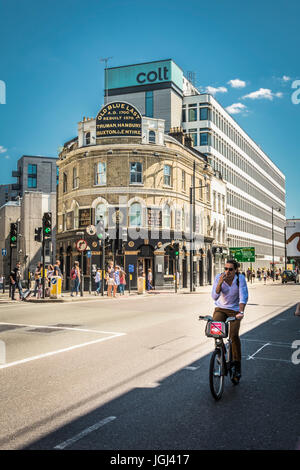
(122,281)
(98,279)
(75,276)
(110,278)
(149,280)
(116,280)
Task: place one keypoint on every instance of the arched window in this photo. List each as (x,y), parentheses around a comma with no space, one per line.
(135,215)
(166,216)
(76,217)
(87,138)
(152,137)
(101,213)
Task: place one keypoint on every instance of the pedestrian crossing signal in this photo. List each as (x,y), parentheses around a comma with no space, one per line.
(13,234)
(47,224)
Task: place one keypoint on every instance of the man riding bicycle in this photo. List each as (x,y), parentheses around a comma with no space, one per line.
(230,293)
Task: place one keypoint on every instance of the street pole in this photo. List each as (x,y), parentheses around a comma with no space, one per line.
(285,247)
(43,257)
(102,243)
(272,244)
(82,276)
(191,235)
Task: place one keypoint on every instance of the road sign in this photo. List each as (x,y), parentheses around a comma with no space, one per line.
(91,230)
(81,245)
(4,252)
(88,253)
(131,268)
(245,254)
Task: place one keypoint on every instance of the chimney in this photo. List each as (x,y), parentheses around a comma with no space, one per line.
(188,141)
(177,133)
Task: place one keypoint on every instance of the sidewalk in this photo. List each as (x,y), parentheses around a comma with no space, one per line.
(66,297)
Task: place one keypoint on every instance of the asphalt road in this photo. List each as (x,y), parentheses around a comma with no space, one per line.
(132,373)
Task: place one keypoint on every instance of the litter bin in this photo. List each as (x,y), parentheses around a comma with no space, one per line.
(55,289)
(141,285)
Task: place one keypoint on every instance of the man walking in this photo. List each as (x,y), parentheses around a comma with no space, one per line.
(15,281)
(37,278)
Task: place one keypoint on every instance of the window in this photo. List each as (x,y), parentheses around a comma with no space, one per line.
(184,114)
(101,213)
(204,138)
(167,175)
(135,172)
(135,215)
(100,173)
(87,138)
(183,180)
(149,103)
(193,134)
(183,226)
(166,216)
(32,176)
(204,114)
(57,175)
(75,178)
(192,112)
(152,137)
(65,183)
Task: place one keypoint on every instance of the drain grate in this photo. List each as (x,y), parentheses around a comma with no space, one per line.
(9,327)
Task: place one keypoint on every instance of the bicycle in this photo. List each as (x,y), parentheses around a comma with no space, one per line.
(221,363)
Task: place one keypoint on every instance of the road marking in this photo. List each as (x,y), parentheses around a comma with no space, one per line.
(191,368)
(251,357)
(63,328)
(52,353)
(84,433)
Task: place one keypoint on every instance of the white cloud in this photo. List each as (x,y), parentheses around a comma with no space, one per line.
(236,108)
(237,83)
(285,78)
(263,93)
(7,157)
(213,91)
(2,149)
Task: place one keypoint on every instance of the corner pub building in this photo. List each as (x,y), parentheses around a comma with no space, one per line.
(124,169)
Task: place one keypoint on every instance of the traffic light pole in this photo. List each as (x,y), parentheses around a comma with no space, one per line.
(102,244)
(44,267)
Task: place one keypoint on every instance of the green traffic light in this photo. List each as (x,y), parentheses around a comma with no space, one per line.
(47,230)
(13,239)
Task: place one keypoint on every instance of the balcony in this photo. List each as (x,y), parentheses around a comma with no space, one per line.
(16,174)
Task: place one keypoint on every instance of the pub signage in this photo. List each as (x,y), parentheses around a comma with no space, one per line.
(118,119)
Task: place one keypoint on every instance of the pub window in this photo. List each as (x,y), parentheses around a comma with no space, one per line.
(87,138)
(149,103)
(135,215)
(152,137)
(32,176)
(75,178)
(166,216)
(135,172)
(167,175)
(65,183)
(100,173)
(183,180)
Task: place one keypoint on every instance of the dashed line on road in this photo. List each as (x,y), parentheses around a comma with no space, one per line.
(84,433)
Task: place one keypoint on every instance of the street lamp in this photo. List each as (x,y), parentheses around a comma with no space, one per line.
(192,224)
(273,267)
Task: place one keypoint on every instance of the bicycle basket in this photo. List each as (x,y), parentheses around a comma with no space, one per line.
(216,329)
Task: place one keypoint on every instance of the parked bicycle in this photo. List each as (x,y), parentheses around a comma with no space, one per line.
(221,362)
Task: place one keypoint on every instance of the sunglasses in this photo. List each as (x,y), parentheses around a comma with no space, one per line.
(228,269)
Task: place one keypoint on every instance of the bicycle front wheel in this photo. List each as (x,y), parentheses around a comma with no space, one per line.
(216,377)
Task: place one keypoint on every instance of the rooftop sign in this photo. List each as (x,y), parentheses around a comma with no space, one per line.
(118,119)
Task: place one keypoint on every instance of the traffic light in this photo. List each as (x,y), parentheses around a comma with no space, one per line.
(101,229)
(38,234)
(176,250)
(13,234)
(47,225)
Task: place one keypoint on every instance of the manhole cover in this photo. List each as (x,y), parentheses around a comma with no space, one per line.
(9,327)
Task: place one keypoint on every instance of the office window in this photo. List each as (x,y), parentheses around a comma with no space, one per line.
(152,137)
(100,173)
(135,215)
(204,114)
(57,175)
(167,175)
(204,138)
(192,112)
(149,103)
(194,135)
(135,172)
(32,176)
(184,114)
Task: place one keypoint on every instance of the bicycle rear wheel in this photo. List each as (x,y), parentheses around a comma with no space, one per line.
(216,377)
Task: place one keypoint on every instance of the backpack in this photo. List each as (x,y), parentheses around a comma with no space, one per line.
(73,274)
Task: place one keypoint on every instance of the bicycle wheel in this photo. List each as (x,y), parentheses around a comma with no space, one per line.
(216,377)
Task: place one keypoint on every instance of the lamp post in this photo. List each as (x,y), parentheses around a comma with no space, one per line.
(273,267)
(193,225)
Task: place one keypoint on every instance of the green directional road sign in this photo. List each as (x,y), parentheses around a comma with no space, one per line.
(245,254)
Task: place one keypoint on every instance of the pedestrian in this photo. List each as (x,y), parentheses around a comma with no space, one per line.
(75,277)
(116,280)
(15,281)
(230,293)
(122,281)
(98,281)
(265,275)
(56,269)
(149,280)
(110,278)
(37,278)
(249,273)
(1,281)
(258,273)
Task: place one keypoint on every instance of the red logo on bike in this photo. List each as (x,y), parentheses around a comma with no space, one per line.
(216,328)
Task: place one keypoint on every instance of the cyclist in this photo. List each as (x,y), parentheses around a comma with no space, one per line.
(230,293)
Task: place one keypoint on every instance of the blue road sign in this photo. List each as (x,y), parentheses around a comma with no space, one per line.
(131,268)
(4,252)
(88,253)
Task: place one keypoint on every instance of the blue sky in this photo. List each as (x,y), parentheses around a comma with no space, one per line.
(50,63)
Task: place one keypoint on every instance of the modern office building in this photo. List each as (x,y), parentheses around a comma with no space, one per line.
(255,186)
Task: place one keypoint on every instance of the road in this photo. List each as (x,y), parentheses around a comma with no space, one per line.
(132,373)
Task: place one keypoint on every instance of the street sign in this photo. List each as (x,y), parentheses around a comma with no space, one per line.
(4,252)
(91,230)
(131,268)
(245,254)
(88,253)
(81,245)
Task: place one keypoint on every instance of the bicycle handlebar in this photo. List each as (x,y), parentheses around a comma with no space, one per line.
(209,318)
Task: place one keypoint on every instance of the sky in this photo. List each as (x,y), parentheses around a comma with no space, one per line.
(51,73)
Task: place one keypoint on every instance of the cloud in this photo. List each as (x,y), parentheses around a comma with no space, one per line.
(7,157)
(285,78)
(236,108)
(237,83)
(211,90)
(2,149)
(263,93)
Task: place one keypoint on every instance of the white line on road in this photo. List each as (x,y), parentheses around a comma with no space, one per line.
(251,357)
(62,328)
(84,433)
(52,353)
